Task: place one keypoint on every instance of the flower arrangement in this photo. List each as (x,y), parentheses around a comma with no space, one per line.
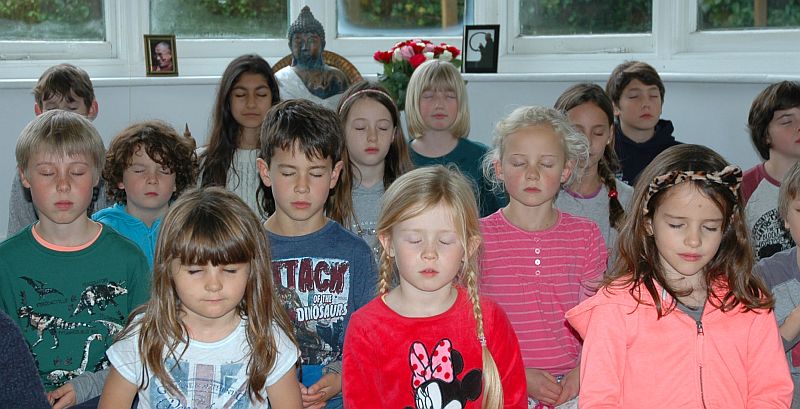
(402,59)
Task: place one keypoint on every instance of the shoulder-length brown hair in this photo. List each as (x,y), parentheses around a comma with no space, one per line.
(638,264)
(214,226)
(397,161)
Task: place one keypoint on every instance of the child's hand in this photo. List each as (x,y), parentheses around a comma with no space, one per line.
(62,397)
(542,386)
(569,386)
(790,328)
(317,395)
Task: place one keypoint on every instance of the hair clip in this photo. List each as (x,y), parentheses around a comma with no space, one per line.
(613,193)
(730,177)
(482,340)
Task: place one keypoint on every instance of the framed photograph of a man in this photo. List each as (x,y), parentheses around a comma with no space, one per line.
(481,44)
(161,58)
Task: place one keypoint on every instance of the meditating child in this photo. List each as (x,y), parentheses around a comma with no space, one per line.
(681,322)
(437,112)
(147,166)
(322,271)
(781,271)
(637,92)
(376,154)
(431,341)
(68,281)
(537,261)
(598,195)
(62,86)
(247,90)
(774,124)
(213,334)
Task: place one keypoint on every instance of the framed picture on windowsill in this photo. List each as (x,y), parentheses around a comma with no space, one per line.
(481,44)
(161,58)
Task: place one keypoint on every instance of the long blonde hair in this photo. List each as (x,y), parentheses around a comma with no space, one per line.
(416,192)
(210,225)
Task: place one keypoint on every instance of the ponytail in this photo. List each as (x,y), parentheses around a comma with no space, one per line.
(605,169)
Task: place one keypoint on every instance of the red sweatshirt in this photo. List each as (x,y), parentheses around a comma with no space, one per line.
(391,361)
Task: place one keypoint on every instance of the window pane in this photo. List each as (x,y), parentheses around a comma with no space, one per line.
(403,18)
(52,20)
(747,14)
(220,18)
(565,17)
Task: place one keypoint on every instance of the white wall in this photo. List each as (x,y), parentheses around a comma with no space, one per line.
(705,110)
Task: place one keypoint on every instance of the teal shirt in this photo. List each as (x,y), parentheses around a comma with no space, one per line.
(134,229)
(70,304)
(467,156)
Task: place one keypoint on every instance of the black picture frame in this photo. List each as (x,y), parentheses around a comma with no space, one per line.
(152,60)
(478,57)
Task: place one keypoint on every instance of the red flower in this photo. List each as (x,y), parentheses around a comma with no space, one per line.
(438,50)
(417,48)
(455,51)
(383,56)
(416,60)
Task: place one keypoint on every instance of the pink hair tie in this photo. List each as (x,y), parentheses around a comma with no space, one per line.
(613,193)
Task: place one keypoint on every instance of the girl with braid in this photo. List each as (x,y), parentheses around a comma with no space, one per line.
(538,262)
(598,196)
(431,341)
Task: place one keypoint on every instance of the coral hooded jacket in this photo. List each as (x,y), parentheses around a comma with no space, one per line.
(631,359)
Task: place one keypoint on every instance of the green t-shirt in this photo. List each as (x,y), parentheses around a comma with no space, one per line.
(69,305)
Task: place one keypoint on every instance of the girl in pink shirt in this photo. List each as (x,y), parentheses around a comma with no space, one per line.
(537,261)
(681,322)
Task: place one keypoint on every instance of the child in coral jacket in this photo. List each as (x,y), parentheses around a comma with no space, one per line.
(681,321)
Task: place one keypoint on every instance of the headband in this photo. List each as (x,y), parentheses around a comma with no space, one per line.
(730,177)
(364,91)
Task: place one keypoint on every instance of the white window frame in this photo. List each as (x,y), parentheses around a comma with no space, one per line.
(672,46)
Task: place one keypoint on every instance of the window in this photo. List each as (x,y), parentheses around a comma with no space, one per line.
(219,19)
(537,36)
(747,14)
(52,20)
(556,17)
(403,18)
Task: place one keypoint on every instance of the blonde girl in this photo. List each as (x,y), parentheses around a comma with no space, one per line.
(247,90)
(377,153)
(438,122)
(431,341)
(538,262)
(212,323)
(599,195)
(681,322)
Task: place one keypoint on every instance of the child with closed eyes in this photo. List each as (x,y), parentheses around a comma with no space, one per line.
(437,112)
(213,333)
(681,321)
(599,195)
(431,341)
(538,261)
(247,90)
(377,154)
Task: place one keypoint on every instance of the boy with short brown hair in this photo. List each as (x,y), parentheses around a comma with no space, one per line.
(774,124)
(640,134)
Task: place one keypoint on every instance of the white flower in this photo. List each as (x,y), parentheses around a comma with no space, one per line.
(396,56)
(446,56)
(428,55)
